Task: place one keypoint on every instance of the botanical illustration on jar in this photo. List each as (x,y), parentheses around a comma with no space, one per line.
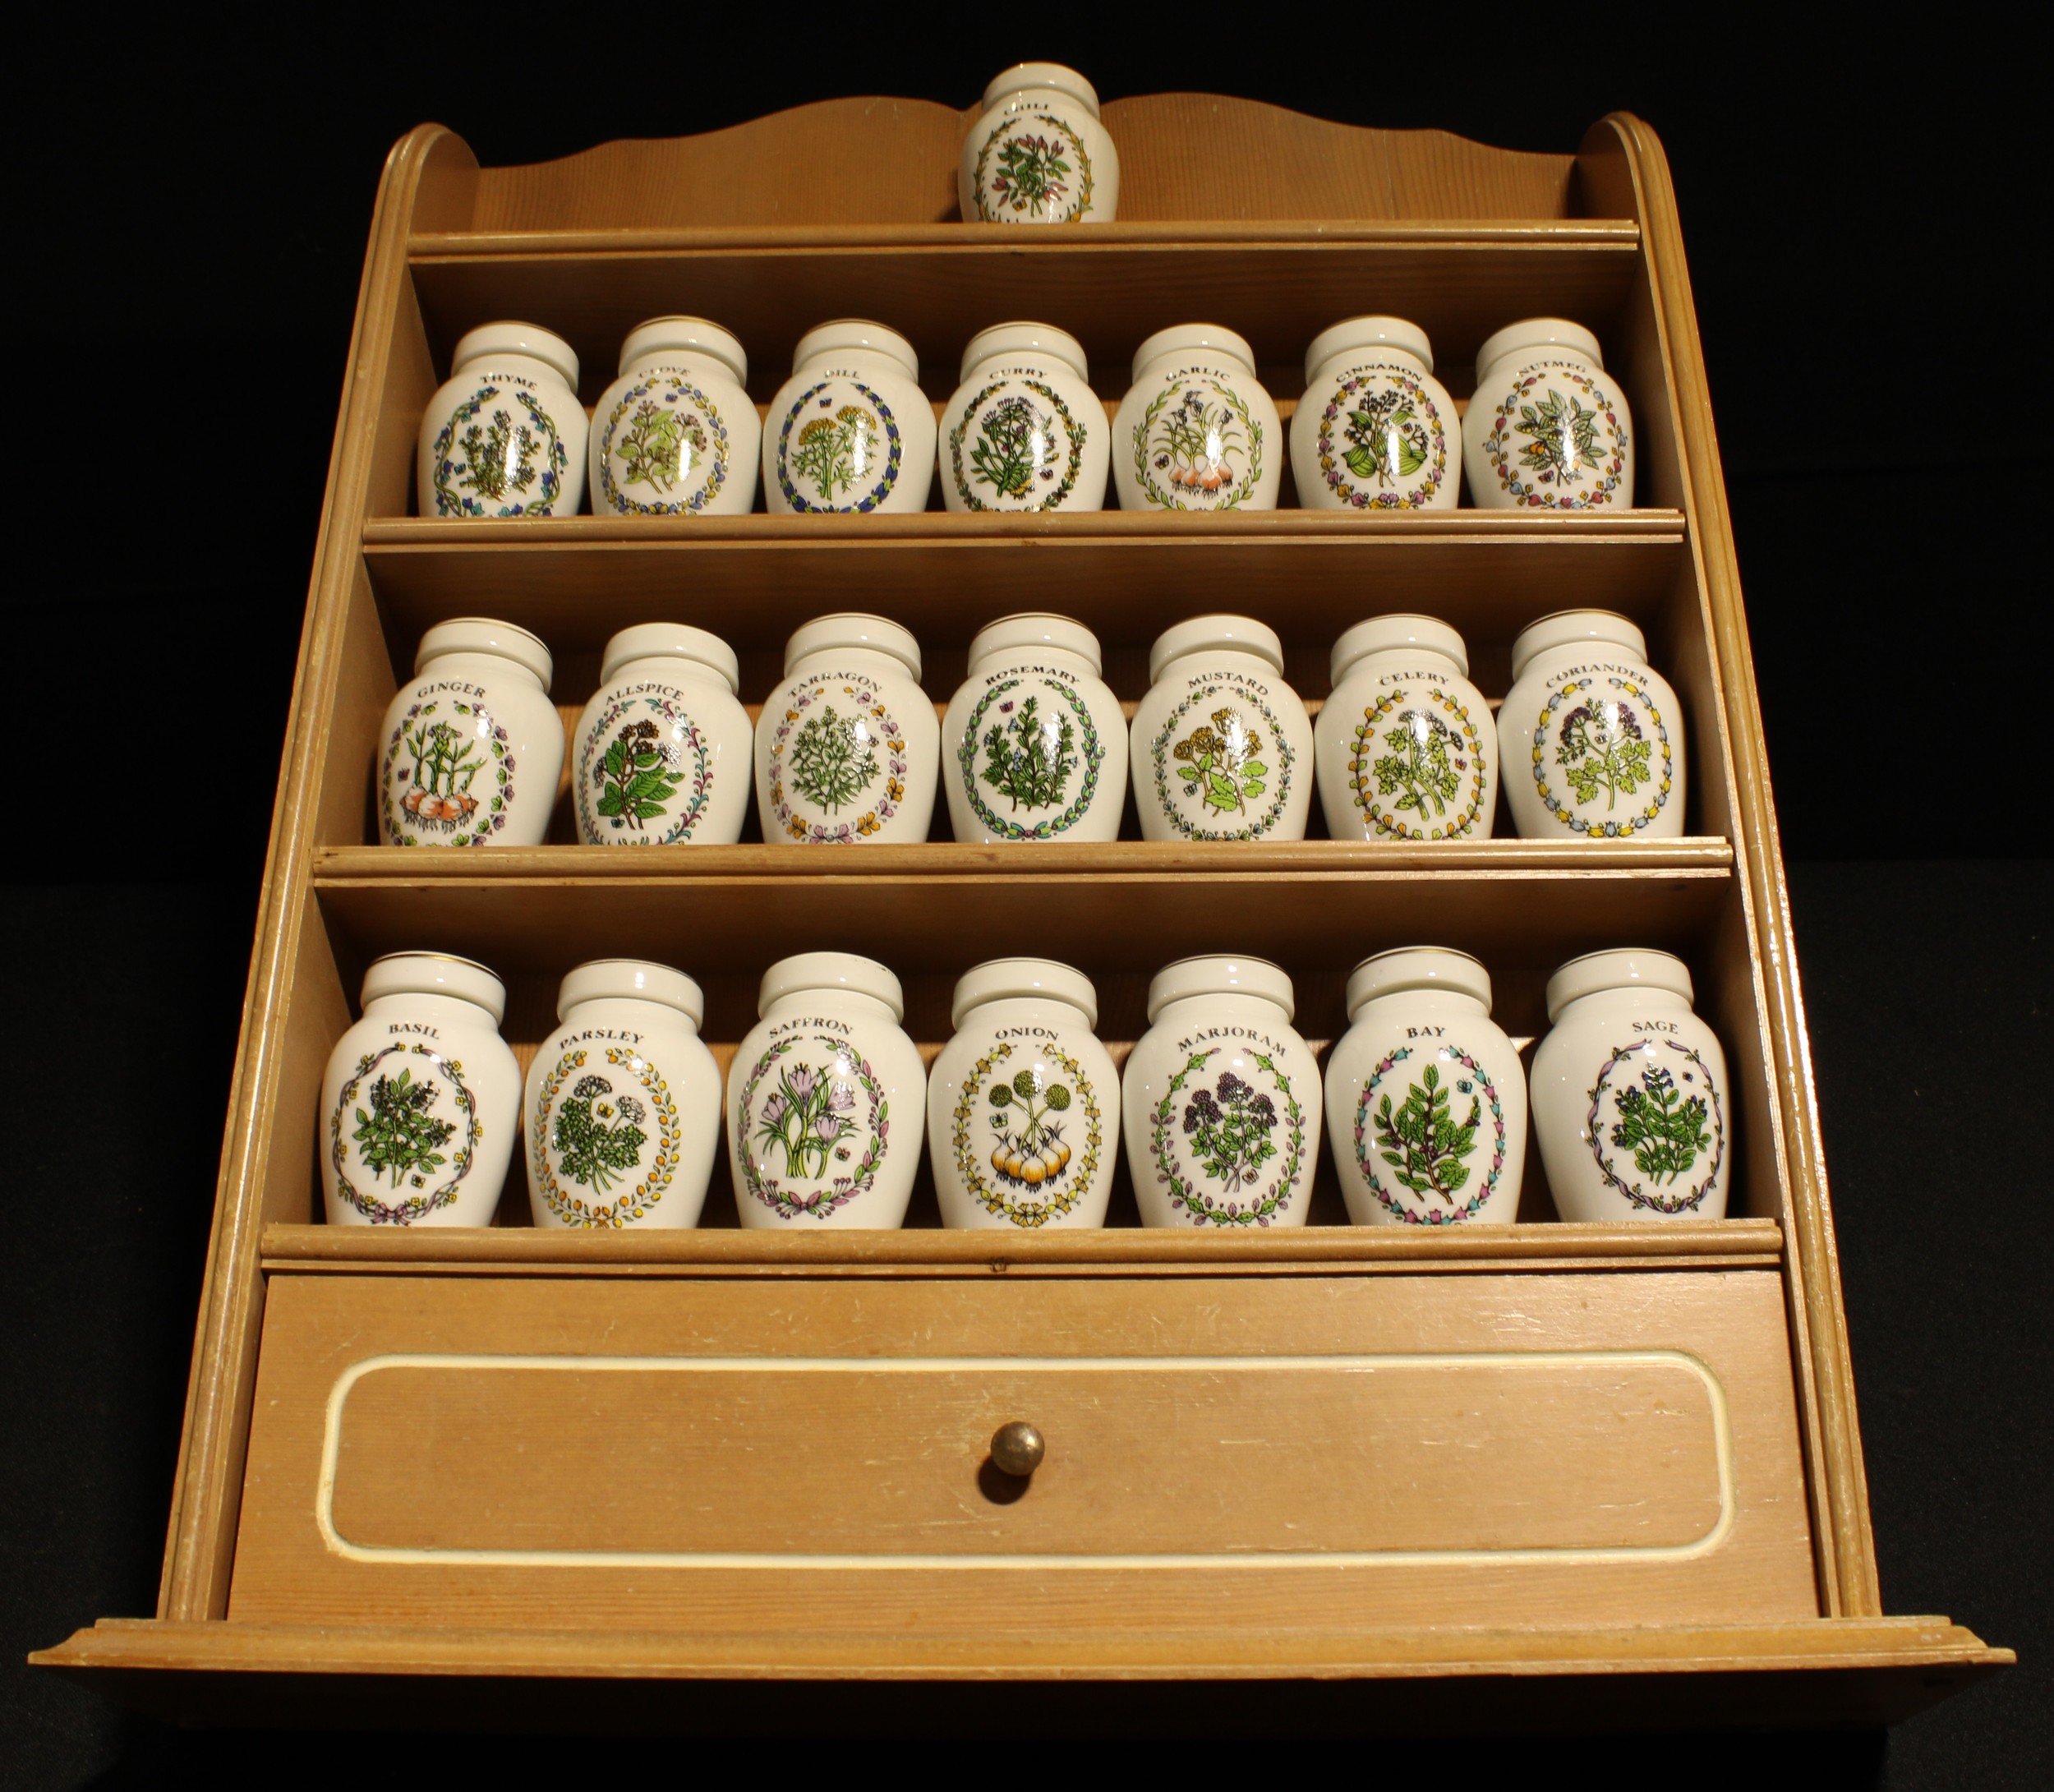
(1229,1150)
(603,1138)
(1015,445)
(1417,764)
(644,772)
(838,448)
(1196,446)
(1222,765)
(1031,1172)
(407,1131)
(664,449)
(1032,745)
(1657,1125)
(499,455)
(429,790)
(1032,165)
(838,764)
(1602,764)
(1381,442)
(1435,1155)
(1552,450)
(811,1128)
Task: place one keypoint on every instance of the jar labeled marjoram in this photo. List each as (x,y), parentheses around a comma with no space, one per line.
(1024,1103)
(421,1101)
(1375,431)
(1037,154)
(504,435)
(850,430)
(1023,430)
(472,747)
(623,1101)
(676,435)
(1196,429)
(1547,428)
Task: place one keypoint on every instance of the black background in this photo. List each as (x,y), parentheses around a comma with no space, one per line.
(190,211)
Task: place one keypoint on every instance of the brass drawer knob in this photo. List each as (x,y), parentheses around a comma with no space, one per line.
(1017,1449)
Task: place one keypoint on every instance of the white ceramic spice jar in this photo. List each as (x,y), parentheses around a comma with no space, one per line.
(1631,1106)
(1375,431)
(1023,1108)
(1221,1098)
(471,746)
(1591,735)
(1547,428)
(421,1101)
(1023,430)
(504,435)
(1222,749)
(1196,430)
(847,748)
(826,1098)
(1034,743)
(623,1101)
(662,750)
(1406,748)
(850,430)
(1039,154)
(1426,1098)
(676,435)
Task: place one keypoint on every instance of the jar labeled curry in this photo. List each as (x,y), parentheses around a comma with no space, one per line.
(1375,431)
(1023,430)
(504,435)
(1196,429)
(850,430)
(1547,427)
(1039,154)
(676,435)
(1024,1103)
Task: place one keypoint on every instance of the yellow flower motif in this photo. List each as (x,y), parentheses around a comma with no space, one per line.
(895,790)
(796,828)
(868,824)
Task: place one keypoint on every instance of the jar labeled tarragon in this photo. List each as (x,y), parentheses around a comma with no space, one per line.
(850,430)
(1023,430)
(1037,154)
(504,435)
(676,435)
(1547,428)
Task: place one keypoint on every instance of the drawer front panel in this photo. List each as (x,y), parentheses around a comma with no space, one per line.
(1322,1451)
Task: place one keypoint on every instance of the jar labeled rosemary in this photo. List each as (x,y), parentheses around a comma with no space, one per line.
(1023,430)
(1221,746)
(1034,743)
(663,748)
(1547,428)
(1631,1105)
(1222,1099)
(504,435)
(850,430)
(1375,431)
(1024,1103)
(676,435)
(623,1101)
(1037,154)
(848,750)
(471,746)
(1196,429)
(825,1098)
(1426,1098)
(421,1101)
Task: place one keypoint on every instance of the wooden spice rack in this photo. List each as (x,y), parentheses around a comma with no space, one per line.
(1547,1457)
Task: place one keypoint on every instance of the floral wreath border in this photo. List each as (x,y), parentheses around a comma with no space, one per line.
(1655,1203)
(1287,758)
(449,503)
(894,458)
(848,834)
(1200,1206)
(1005,128)
(1496,443)
(1430,1216)
(765,1188)
(416,1206)
(647,1193)
(1025,1214)
(702,774)
(1576,823)
(627,506)
(1074,432)
(1359,766)
(396,833)
(1340,485)
(1093,759)
(1243,488)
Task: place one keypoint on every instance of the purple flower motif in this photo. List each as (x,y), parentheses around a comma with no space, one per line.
(802,1081)
(774,1109)
(842,1099)
(828,1127)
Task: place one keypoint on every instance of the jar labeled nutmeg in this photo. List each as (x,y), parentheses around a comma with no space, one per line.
(504,435)
(1039,154)
(1375,431)
(1547,427)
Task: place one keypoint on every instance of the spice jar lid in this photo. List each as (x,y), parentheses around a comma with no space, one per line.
(481,634)
(1417,967)
(1036,629)
(672,641)
(1180,337)
(686,335)
(1383,634)
(630,979)
(510,339)
(1368,333)
(1220,977)
(1001,980)
(1537,333)
(857,333)
(1566,627)
(852,629)
(1020,339)
(434,974)
(1632,968)
(1023,76)
(830,970)
(1235,634)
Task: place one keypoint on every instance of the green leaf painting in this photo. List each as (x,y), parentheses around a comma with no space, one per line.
(1421,1140)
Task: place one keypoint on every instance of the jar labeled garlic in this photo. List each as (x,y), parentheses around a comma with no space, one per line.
(1196,429)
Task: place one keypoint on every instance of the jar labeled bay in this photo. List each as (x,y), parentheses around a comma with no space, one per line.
(1426,1098)
(676,435)
(1222,1099)
(850,430)
(421,1101)
(472,748)
(1024,1104)
(623,1101)
(1037,154)
(504,435)
(825,1098)
(1631,1105)
(1025,430)
(1547,428)
(1196,429)
(1375,431)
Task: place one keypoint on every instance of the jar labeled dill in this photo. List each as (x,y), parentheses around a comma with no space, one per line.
(851,431)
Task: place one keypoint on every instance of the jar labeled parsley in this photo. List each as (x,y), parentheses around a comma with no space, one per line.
(676,435)
(504,435)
